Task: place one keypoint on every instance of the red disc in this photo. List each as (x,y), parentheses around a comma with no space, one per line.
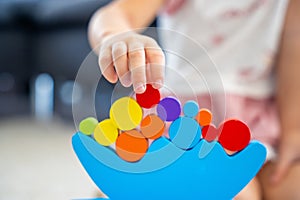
(210,133)
(149,98)
(235,135)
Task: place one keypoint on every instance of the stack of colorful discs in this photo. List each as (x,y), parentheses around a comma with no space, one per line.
(131,131)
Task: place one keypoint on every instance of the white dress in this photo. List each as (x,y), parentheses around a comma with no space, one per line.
(240,37)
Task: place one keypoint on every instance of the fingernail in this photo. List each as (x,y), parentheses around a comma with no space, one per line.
(158,84)
(140,88)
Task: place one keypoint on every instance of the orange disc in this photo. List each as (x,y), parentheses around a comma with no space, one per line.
(204,117)
(152,126)
(131,148)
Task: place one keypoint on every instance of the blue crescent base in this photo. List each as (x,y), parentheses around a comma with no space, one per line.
(189,176)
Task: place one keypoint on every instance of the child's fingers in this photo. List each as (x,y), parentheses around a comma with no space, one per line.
(106,65)
(127,60)
(156,59)
(119,55)
(137,64)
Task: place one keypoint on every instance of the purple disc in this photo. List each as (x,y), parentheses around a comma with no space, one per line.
(169,109)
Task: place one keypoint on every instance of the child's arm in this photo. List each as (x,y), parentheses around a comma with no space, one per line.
(124,56)
(288,76)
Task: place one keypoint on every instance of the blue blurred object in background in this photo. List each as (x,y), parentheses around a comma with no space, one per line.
(43,97)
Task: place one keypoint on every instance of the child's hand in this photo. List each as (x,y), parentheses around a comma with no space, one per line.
(289,153)
(127,56)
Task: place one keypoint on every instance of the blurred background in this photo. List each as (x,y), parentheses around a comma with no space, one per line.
(42,45)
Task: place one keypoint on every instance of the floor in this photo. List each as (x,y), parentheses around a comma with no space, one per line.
(37,162)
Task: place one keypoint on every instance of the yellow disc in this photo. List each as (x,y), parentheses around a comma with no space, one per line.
(106,133)
(126,113)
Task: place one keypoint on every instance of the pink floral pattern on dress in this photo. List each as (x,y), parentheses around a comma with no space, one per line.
(246,72)
(250,74)
(217,40)
(233,13)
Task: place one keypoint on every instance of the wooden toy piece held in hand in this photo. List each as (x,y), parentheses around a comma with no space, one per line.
(149,98)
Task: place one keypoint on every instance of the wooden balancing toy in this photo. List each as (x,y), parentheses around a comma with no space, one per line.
(131,156)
